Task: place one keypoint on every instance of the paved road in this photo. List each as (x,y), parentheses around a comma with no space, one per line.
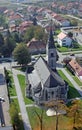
(21,101)
(74,17)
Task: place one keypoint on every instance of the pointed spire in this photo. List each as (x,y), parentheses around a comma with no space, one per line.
(51,38)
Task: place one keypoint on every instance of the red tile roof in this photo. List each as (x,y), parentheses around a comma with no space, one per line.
(77,68)
(35,44)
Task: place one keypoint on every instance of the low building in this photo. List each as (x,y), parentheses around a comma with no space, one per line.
(64,39)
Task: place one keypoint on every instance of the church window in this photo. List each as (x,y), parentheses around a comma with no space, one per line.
(52,94)
(52,63)
(52,54)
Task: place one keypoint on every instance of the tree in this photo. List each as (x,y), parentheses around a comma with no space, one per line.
(74,22)
(2,20)
(29,34)
(15,120)
(70,34)
(21,54)
(16,37)
(8,47)
(40,117)
(39,33)
(75,45)
(66,60)
(1,42)
(56,105)
(36,32)
(1,39)
(75,111)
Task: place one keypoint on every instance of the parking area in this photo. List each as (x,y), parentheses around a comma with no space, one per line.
(4,102)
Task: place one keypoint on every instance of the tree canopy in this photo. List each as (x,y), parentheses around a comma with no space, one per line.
(8,47)
(36,32)
(21,54)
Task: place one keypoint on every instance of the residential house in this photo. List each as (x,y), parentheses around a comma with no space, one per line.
(62,9)
(16,16)
(44,83)
(61,21)
(75,68)
(24,26)
(36,47)
(64,39)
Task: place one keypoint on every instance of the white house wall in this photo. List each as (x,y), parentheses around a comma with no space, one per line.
(66,43)
(65,23)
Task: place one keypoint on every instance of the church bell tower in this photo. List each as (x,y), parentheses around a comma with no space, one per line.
(51,51)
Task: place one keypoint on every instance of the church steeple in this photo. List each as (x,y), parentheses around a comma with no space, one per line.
(51,39)
(51,51)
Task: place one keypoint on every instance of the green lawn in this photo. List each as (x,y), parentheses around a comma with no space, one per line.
(49,123)
(72,93)
(15,101)
(77,81)
(69,72)
(74,77)
(65,49)
(62,49)
(21,79)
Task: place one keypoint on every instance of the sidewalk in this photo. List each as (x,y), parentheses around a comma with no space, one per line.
(72,81)
(23,111)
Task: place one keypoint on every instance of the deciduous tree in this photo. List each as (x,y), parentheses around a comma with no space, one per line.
(21,54)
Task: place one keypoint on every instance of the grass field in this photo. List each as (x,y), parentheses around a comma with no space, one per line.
(49,123)
(74,77)
(21,79)
(72,93)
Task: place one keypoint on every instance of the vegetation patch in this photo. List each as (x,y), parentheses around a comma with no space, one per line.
(10,83)
(72,93)
(68,49)
(15,101)
(48,123)
(21,79)
(15,117)
(74,77)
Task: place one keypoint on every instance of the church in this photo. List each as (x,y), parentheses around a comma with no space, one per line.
(43,82)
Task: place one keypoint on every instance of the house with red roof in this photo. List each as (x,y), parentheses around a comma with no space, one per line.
(75,68)
(16,16)
(24,26)
(63,39)
(36,47)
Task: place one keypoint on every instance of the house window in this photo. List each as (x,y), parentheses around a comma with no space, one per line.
(64,41)
(64,44)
